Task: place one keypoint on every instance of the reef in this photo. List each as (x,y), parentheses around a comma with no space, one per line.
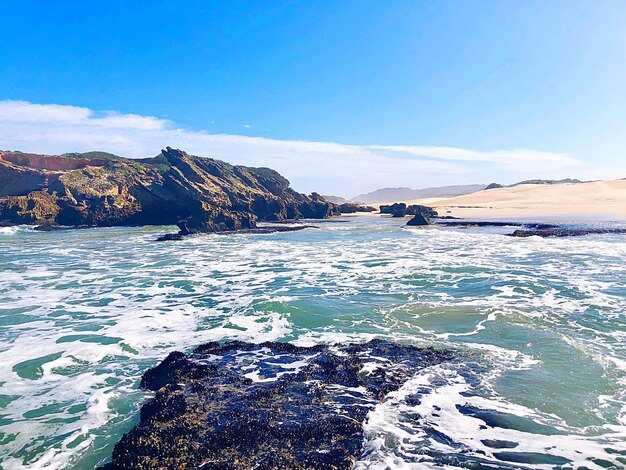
(254,231)
(530,229)
(493,223)
(239,405)
(565,232)
(99,189)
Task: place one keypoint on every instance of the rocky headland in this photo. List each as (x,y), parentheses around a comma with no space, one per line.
(99,189)
(239,405)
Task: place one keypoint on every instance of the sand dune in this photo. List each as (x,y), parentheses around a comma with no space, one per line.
(594,198)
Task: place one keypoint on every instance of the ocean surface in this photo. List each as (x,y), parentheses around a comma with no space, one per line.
(538,326)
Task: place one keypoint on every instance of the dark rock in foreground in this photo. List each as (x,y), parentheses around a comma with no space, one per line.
(267,406)
(565,232)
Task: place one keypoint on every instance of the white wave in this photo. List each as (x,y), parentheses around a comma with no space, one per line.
(12,230)
(398,435)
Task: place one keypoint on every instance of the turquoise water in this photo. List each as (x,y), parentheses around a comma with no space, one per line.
(539,326)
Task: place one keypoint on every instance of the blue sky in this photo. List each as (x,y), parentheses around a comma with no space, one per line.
(342,97)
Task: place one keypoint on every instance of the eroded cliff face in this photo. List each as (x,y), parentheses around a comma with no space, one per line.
(199,194)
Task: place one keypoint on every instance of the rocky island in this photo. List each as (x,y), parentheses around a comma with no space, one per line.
(100,189)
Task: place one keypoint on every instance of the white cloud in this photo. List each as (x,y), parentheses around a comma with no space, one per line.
(326,167)
(25,112)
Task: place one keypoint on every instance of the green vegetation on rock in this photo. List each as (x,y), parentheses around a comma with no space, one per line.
(101,189)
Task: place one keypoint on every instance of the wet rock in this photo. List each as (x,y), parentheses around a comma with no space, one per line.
(254,231)
(565,232)
(170,237)
(492,223)
(419,220)
(267,406)
(51,227)
(271,229)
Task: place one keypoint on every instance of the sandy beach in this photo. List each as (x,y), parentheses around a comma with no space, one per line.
(594,198)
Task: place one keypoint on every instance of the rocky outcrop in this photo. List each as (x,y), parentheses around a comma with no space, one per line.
(268,406)
(397,209)
(99,189)
(400,209)
(352,207)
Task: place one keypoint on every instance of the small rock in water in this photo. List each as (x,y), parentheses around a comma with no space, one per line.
(170,237)
(52,227)
(272,405)
(418,220)
(255,231)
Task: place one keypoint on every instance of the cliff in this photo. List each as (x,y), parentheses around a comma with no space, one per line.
(100,189)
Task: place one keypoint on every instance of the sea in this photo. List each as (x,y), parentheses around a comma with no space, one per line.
(538,327)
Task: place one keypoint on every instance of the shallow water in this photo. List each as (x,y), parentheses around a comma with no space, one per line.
(540,325)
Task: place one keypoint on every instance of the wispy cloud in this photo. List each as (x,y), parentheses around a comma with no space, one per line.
(326,167)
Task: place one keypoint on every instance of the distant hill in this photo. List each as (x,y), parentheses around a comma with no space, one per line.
(538,181)
(335,199)
(406,194)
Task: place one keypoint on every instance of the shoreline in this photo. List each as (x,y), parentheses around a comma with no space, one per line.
(597,198)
